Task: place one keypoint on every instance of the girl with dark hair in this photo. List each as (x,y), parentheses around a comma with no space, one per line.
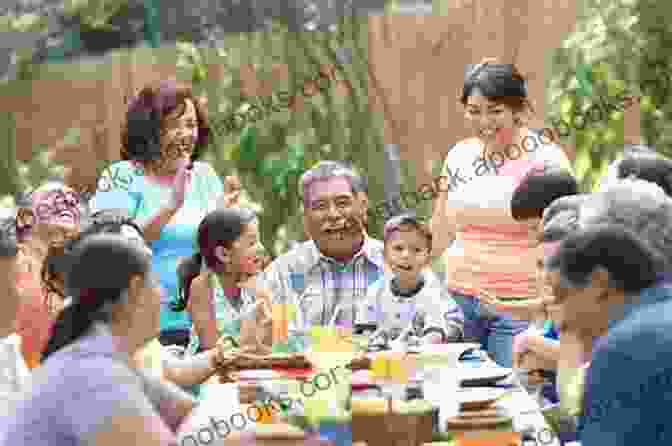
(220,297)
(163,186)
(492,251)
(86,391)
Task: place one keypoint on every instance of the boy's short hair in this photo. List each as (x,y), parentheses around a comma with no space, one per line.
(8,242)
(561,218)
(407,222)
(538,189)
(649,167)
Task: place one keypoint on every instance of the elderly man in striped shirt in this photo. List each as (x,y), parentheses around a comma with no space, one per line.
(326,277)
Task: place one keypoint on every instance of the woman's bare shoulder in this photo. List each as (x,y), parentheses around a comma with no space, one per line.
(200,286)
(462,153)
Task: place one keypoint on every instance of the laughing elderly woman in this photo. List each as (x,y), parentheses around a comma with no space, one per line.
(48,219)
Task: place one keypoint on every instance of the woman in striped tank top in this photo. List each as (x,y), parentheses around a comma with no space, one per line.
(491,251)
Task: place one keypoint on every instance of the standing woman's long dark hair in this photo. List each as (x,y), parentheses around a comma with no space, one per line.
(98,275)
(221,227)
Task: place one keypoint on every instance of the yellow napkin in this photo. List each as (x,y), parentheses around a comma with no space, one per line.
(329,339)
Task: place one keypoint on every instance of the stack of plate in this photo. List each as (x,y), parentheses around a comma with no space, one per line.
(478,411)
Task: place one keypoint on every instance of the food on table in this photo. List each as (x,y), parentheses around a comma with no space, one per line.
(278,431)
(472,414)
(360,363)
(476,399)
(238,360)
(485,422)
(372,406)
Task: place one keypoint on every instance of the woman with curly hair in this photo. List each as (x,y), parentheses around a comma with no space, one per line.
(162,185)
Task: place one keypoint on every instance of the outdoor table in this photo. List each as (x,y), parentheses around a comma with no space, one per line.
(521,406)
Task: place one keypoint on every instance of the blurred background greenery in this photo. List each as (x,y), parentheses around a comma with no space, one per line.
(617,39)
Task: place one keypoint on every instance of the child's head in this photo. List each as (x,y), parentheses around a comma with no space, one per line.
(228,242)
(649,167)
(559,221)
(537,190)
(408,244)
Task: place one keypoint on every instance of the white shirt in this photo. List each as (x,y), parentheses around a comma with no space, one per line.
(14,373)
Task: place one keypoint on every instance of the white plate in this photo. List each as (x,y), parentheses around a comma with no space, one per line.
(485,374)
(479,394)
(450,350)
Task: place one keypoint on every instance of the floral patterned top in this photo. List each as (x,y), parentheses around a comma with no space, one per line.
(226,311)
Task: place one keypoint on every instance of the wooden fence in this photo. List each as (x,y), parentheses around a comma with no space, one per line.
(417,63)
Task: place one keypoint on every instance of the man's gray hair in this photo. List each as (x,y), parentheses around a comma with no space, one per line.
(326,170)
(640,206)
(561,217)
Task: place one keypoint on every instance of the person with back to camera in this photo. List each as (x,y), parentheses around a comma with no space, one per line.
(163,186)
(152,357)
(492,251)
(87,390)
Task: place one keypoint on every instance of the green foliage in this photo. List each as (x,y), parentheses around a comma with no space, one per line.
(618,40)
(270,155)
(626,45)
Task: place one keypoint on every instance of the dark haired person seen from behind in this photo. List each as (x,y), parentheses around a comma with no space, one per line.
(152,357)
(162,185)
(492,252)
(86,391)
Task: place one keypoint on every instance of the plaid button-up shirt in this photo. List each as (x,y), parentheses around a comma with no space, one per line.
(321,289)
